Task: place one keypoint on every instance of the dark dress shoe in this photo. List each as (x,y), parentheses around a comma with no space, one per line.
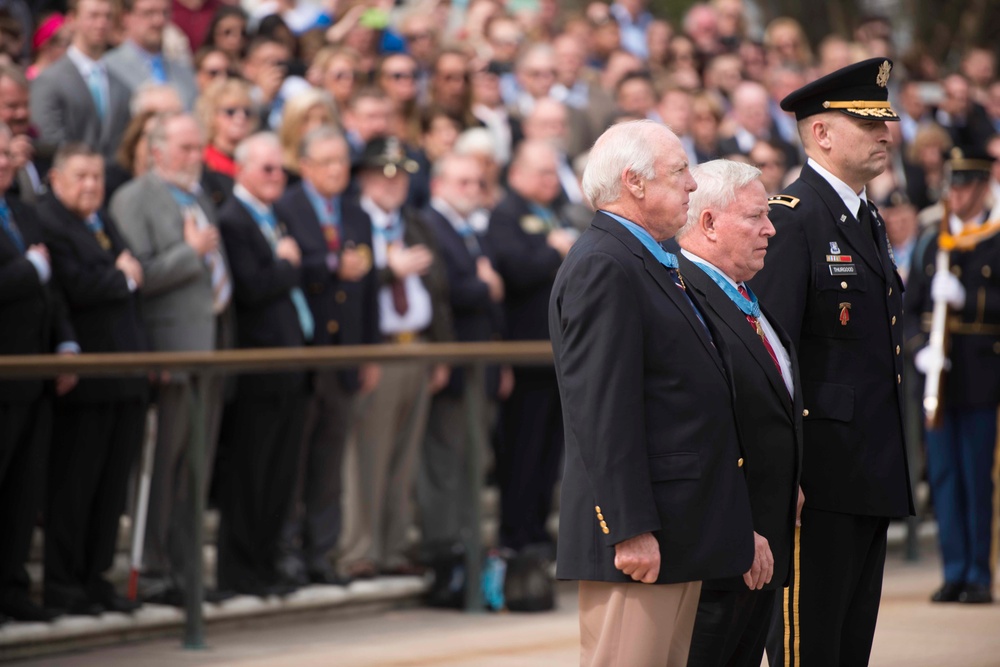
(84,607)
(215,596)
(362,569)
(327,577)
(948,593)
(20,608)
(976,594)
(281,590)
(120,604)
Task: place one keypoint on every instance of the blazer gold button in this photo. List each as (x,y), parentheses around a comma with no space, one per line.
(605,530)
(604,524)
(332,326)
(600,517)
(598,509)
(987,271)
(893,320)
(996,347)
(805,413)
(341,296)
(899,378)
(843,285)
(897,350)
(739,464)
(890,291)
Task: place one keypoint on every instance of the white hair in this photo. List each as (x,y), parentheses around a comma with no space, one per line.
(718,182)
(628,146)
(243,149)
(475,141)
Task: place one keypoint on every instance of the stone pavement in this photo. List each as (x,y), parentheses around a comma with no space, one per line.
(911,633)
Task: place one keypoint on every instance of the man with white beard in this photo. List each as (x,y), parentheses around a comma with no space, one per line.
(171,225)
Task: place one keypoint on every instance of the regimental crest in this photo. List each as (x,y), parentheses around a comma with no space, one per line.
(883,74)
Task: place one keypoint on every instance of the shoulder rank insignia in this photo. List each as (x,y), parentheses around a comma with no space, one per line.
(784,200)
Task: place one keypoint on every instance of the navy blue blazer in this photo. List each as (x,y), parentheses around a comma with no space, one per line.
(105,314)
(38,310)
(265,314)
(528,265)
(650,425)
(475,317)
(345,312)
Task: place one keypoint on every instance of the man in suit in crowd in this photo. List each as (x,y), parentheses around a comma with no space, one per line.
(830,282)
(654,498)
(529,242)
(37,324)
(170,224)
(140,57)
(722,245)
(753,122)
(99,425)
(413,306)
(476,296)
(961,449)
(335,237)
(29,167)
(262,432)
(77,99)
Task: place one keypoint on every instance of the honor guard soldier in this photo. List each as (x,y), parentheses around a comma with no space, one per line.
(961,446)
(831,283)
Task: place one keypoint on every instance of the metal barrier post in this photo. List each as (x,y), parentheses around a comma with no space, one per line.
(194,624)
(475,383)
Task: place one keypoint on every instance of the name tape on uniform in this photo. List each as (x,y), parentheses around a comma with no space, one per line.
(843,270)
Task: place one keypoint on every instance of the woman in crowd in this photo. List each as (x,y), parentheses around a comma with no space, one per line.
(305,112)
(227,114)
(228,31)
(334,69)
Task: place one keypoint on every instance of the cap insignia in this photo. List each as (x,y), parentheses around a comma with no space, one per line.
(883,74)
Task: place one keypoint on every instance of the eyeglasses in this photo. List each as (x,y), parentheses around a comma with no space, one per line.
(400,76)
(232,111)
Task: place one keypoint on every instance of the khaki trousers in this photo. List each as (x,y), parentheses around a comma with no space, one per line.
(636,625)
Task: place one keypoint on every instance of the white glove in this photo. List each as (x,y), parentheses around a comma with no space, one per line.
(929,360)
(946,287)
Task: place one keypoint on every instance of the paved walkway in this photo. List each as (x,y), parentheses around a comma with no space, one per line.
(911,633)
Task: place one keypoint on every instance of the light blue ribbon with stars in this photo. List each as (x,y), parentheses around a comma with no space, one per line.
(749,307)
(667,259)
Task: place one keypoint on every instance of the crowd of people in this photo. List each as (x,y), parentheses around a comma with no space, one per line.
(197,175)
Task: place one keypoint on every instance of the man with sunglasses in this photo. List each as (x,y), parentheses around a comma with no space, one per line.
(260,443)
(77,98)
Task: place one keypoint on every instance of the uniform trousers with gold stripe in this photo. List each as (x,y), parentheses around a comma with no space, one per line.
(836,582)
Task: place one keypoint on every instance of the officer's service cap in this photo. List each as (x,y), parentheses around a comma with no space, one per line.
(857,90)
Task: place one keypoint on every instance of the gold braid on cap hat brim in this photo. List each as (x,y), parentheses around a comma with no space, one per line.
(870,108)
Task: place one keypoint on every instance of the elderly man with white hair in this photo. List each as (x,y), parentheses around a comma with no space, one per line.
(723,244)
(654,498)
(261,439)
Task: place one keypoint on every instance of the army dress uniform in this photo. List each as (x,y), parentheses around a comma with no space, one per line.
(961,451)
(830,281)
